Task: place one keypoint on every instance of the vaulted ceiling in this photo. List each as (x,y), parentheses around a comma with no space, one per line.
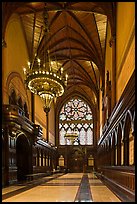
(77,38)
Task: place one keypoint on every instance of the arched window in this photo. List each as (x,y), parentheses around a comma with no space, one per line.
(76,116)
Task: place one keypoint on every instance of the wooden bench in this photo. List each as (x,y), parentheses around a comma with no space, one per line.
(30,177)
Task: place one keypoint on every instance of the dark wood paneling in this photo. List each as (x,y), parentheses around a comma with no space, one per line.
(121,180)
(125,103)
(21,139)
(76,157)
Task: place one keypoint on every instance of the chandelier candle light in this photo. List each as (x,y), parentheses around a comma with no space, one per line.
(45,77)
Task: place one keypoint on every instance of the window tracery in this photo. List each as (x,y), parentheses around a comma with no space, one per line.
(76,116)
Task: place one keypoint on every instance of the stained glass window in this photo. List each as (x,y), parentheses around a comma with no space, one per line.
(76,116)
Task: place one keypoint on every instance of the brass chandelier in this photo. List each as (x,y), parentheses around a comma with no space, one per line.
(44,76)
(71,136)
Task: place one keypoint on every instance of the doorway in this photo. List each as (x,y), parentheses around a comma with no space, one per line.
(76,161)
(23,156)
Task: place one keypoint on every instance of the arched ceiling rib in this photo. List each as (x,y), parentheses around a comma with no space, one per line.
(77,37)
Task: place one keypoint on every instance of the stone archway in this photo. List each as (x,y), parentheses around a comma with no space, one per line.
(23,155)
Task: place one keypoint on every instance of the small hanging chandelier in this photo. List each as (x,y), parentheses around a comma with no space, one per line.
(71,136)
(44,76)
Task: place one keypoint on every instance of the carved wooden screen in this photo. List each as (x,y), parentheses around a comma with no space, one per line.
(76,116)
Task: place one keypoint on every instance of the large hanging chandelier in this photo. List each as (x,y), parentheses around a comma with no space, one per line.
(45,76)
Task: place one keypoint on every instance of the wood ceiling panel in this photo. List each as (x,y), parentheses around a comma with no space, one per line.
(77,36)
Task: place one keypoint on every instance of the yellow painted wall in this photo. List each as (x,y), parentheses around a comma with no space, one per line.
(108,56)
(52,124)
(14,57)
(100,108)
(108,67)
(125,45)
(40,116)
(125,49)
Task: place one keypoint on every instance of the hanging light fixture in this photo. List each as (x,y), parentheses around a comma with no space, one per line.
(71,136)
(45,77)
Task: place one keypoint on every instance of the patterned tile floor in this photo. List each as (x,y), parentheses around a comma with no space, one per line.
(71,187)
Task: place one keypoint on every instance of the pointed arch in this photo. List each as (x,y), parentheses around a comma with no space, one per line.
(76,116)
(128,140)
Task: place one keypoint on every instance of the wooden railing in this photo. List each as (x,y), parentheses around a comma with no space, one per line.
(13,115)
(123,178)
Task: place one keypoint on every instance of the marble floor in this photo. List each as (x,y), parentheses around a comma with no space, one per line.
(70,187)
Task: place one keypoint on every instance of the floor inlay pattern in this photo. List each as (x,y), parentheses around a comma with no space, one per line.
(70,187)
(84,194)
